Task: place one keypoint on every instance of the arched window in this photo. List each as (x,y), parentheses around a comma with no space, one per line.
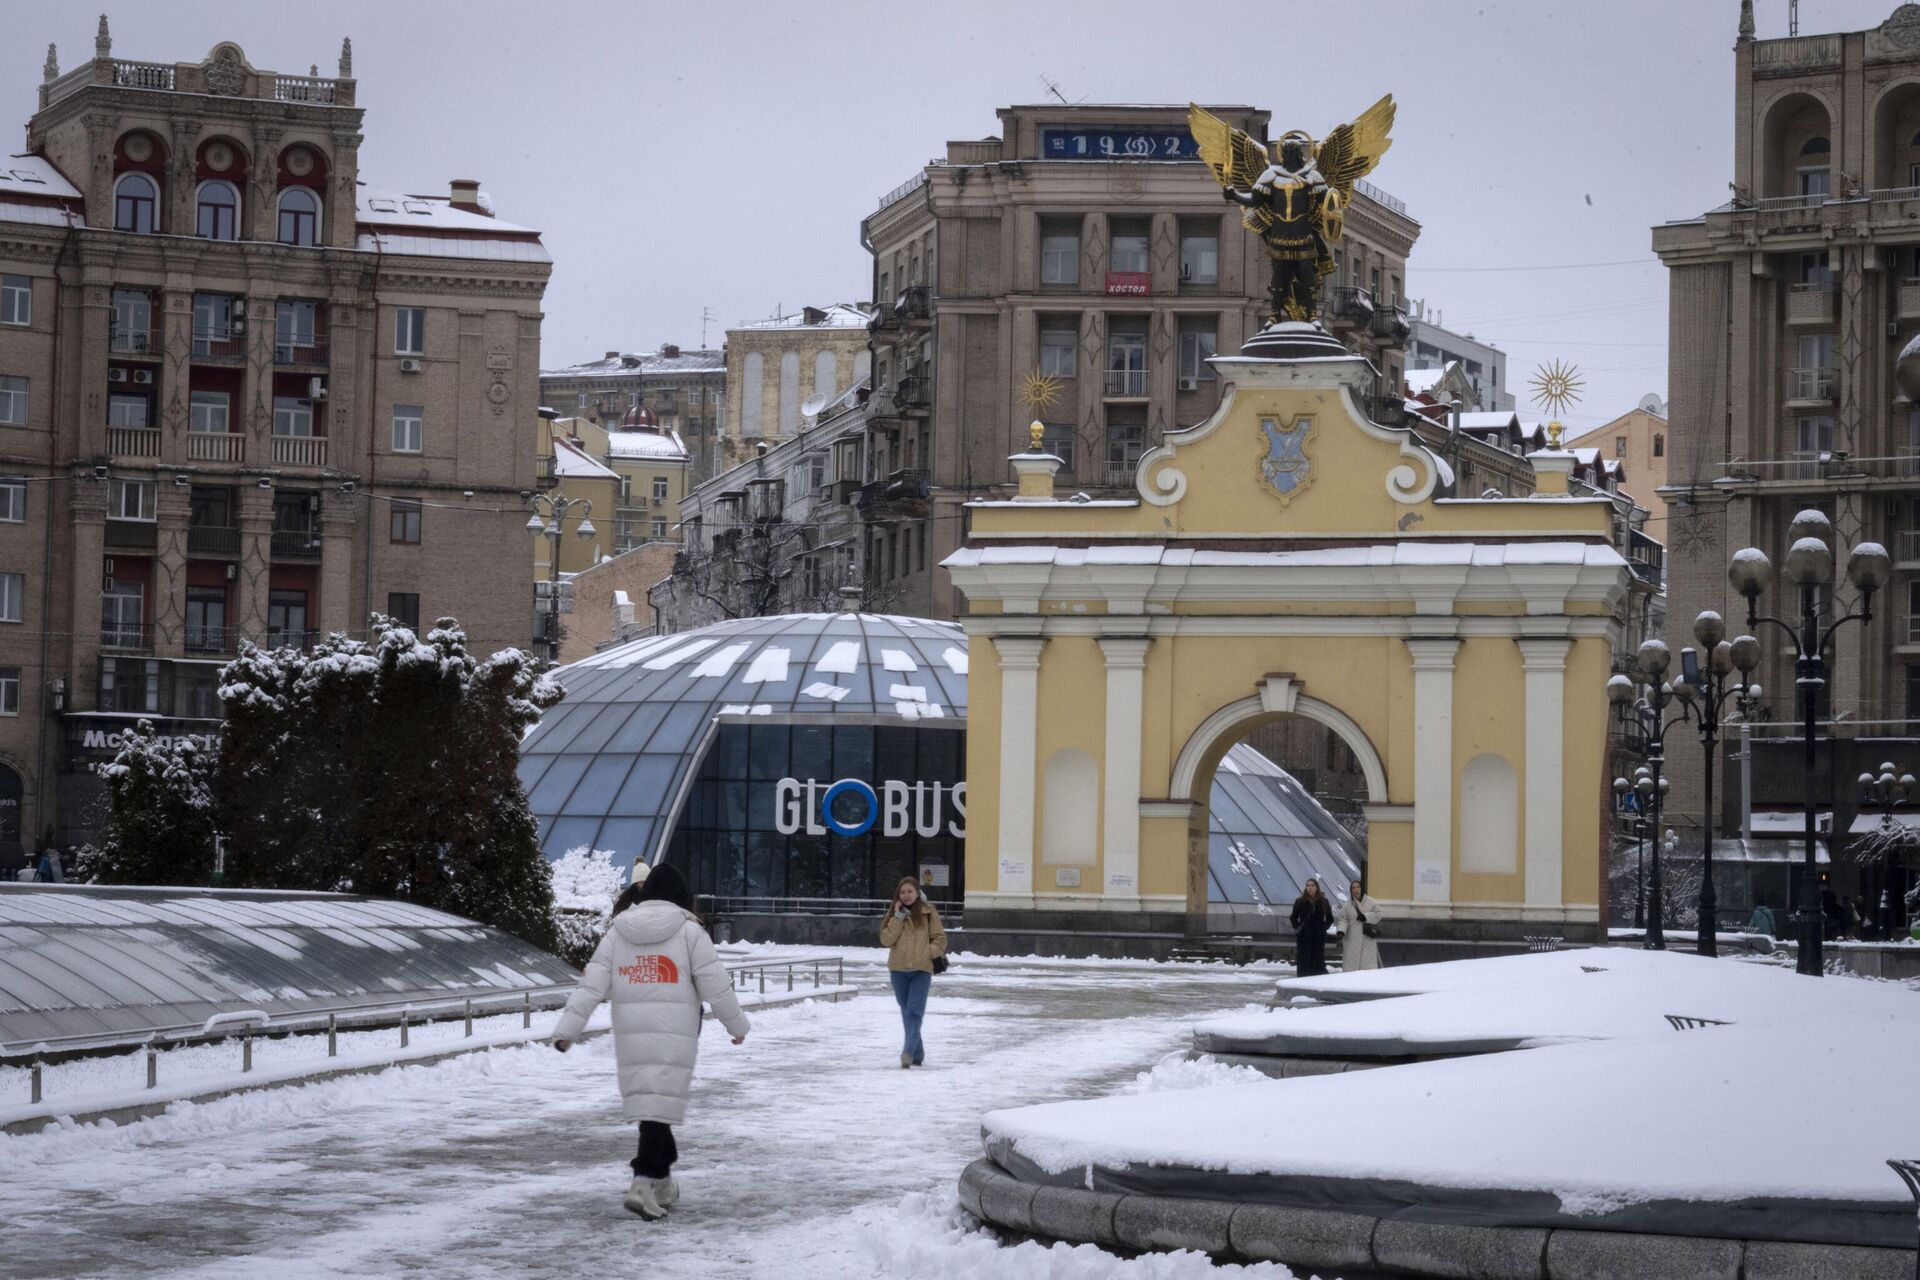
(752,393)
(1816,146)
(1071,808)
(1489,816)
(136,204)
(824,368)
(299,217)
(217,211)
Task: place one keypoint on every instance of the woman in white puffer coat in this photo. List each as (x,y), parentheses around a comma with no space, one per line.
(656,965)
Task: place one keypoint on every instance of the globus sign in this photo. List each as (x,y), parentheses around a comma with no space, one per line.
(897,808)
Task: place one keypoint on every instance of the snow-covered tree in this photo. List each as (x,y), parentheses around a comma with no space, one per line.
(387,767)
(585,884)
(160,826)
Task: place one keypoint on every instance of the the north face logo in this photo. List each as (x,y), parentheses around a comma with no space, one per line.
(650,969)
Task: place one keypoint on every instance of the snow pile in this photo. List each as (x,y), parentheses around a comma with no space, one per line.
(1178,1071)
(585,883)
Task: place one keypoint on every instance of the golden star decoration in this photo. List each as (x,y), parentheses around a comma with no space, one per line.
(1039,390)
(1556,385)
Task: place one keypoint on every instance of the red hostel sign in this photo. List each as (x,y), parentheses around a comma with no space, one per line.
(1129,283)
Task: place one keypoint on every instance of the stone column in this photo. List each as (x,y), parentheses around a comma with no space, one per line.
(1019,698)
(253,516)
(1126,658)
(1433,767)
(1545,662)
(340,607)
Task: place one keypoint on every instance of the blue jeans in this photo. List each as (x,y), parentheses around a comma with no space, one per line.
(910,991)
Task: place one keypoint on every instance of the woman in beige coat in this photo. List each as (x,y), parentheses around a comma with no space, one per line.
(1357,950)
(914,939)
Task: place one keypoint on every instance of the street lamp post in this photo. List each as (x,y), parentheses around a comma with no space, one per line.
(559,508)
(1704,690)
(1810,565)
(1886,791)
(1648,707)
(1621,788)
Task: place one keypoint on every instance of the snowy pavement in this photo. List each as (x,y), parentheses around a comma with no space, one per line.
(807,1152)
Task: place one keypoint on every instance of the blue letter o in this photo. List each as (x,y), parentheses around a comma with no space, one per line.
(840,788)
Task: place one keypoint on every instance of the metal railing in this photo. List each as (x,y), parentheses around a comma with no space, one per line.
(313,351)
(904,190)
(136,342)
(1380,197)
(1126,382)
(1120,474)
(216,446)
(296,544)
(125,635)
(1906,544)
(915,391)
(742,976)
(1350,302)
(212,540)
(219,344)
(133,442)
(1827,464)
(211,639)
(1913,628)
(1813,384)
(744,904)
(1810,201)
(300,451)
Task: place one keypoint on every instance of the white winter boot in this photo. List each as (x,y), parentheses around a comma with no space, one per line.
(642,1200)
(666,1191)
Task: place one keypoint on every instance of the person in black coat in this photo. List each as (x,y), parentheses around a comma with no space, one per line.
(1312,917)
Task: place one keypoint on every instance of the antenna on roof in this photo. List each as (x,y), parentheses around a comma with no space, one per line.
(1054,89)
(1793,17)
(706,317)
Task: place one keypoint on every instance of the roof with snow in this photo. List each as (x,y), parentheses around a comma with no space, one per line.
(570,461)
(82,962)
(430,227)
(630,364)
(35,177)
(1421,381)
(665,445)
(838,316)
(1499,420)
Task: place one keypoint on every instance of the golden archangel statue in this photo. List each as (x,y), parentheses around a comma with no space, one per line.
(1296,200)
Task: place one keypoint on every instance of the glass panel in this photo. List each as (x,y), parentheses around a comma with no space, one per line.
(558,784)
(649,787)
(598,786)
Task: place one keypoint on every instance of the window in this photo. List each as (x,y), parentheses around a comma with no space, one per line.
(206,619)
(299,217)
(1816,269)
(13,400)
(132,325)
(409,428)
(1057,350)
(136,204)
(1126,441)
(1659,445)
(1814,435)
(1199,342)
(292,416)
(1619,446)
(1060,255)
(16,300)
(214,325)
(209,508)
(9,691)
(1057,438)
(209,412)
(123,614)
(659,488)
(287,617)
(1815,175)
(405,520)
(296,327)
(409,331)
(404,608)
(294,513)
(581,402)
(1130,237)
(129,684)
(1199,257)
(13,595)
(130,500)
(13,500)
(127,411)
(1127,364)
(218,211)
(659,528)
(196,690)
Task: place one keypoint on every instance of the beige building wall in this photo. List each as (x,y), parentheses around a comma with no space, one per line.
(775,367)
(594,621)
(1637,440)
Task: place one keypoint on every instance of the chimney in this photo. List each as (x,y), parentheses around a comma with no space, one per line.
(670,351)
(466,196)
(613,355)
(812,315)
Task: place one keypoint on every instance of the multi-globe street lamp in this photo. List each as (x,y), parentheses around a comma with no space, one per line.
(559,508)
(1647,706)
(1810,566)
(1703,689)
(1886,791)
(1641,782)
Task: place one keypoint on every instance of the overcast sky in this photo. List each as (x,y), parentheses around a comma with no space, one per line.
(720,155)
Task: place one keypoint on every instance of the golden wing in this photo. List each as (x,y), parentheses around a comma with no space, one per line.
(1351,151)
(1235,158)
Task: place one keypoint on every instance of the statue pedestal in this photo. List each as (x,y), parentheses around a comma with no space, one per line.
(1294,340)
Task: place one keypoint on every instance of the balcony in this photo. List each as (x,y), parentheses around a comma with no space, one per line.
(213,540)
(1126,384)
(215,640)
(841,491)
(1351,305)
(1389,324)
(133,442)
(300,451)
(216,446)
(914,304)
(296,544)
(125,635)
(303,353)
(132,535)
(1811,387)
(133,342)
(883,318)
(914,392)
(1121,472)
(219,344)
(1913,628)
(543,473)
(1811,305)
(907,487)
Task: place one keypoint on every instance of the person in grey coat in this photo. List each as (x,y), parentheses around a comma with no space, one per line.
(655,966)
(1357,950)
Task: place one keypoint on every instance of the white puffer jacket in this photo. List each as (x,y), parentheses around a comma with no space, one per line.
(656,964)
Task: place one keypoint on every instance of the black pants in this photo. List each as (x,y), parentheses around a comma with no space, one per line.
(657,1150)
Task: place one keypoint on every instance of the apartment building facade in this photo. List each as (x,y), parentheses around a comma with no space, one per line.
(1431,345)
(1789,306)
(777,368)
(242,394)
(1078,269)
(679,389)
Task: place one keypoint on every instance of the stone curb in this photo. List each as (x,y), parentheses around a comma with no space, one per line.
(1320,1239)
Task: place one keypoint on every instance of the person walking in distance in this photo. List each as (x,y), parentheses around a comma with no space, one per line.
(1359,931)
(655,965)
(916,950)
(1312,916)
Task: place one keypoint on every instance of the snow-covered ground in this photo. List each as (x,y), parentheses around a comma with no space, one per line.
(808,1152)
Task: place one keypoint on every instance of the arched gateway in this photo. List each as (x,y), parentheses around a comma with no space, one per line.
(1290,557)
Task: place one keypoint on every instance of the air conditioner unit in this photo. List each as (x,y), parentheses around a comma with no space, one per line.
(116,375)
(237,325)
(239,308)
(1189,384)
(409,366)
(143,376)
(316,388)
(233,572)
